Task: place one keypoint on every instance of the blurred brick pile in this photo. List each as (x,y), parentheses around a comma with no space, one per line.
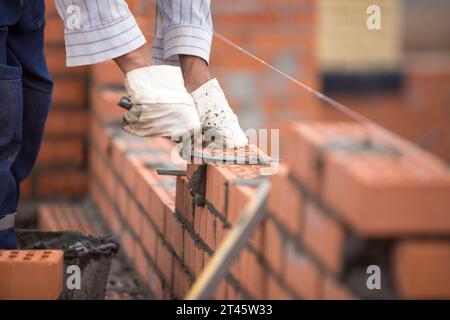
(344,200)
(418,111)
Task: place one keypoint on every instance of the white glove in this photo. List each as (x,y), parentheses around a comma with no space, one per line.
(217,118)
(161,106)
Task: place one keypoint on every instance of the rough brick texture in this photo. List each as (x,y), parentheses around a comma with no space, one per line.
(31,274)
(339,204)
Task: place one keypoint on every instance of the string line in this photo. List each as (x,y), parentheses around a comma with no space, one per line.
(373,127)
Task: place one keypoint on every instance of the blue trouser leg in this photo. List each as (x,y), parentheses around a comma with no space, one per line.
(25,90)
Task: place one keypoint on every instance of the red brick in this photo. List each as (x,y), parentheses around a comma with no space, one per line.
(238,198)
(302,275)
(273,245)
(63,122)
(46,221)
(383,196)
(122,199)
(188,251)
(251,274)
(164,260)
(174,233)
(308,139)
(148,237)
(220,232)
(156,286)
(183,200)
(198,260)
(129,245)
(380,194)
(421,269)
(275,291)
(64,217)
(232,293)
(216,177)
(142,264)
(324,237)
(221,291)
(99,137)
(200,216)
(333,290)
(210,225)
(181,282)
(106,209)
(133,216)
(31,274)
(286,201)
(67,151)
(70,91)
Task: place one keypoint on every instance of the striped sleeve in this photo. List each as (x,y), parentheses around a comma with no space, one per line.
(98,30)
(182,27)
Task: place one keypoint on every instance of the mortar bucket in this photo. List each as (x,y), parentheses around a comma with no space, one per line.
(91,254)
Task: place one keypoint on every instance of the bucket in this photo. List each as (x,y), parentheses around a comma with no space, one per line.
(92,255)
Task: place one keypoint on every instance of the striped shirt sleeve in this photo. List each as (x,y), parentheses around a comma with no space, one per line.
(182,27)
(98,30)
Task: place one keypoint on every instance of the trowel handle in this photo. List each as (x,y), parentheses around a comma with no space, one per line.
(125,103)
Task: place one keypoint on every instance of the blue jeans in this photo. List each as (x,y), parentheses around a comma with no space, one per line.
(25,97)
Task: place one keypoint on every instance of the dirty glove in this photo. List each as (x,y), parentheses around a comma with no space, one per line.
(161,106)
(217,118)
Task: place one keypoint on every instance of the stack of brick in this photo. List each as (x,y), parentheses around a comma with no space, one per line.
(348,199)
(65,217)
(133,199)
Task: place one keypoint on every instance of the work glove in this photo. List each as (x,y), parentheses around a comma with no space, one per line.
(217,119)
(161,106)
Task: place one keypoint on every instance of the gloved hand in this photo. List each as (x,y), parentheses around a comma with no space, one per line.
(217,118)
(161,106)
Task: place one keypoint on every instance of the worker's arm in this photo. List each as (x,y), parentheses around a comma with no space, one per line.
(97,31)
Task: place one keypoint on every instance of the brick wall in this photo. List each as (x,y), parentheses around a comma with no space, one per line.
(338,205)
(418,111)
